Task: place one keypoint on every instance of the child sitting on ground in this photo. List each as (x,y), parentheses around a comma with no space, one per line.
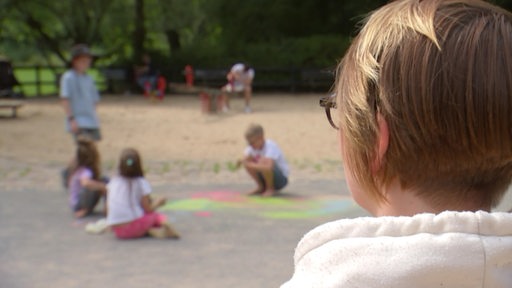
(131,213)
(264,162)
(84,184)
(424,96)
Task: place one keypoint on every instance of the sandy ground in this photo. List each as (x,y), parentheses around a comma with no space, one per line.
(178,143)
(174,135)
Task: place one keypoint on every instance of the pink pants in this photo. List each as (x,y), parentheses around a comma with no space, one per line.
(139,227)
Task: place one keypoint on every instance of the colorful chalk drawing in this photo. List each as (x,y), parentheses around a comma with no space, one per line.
(205,204)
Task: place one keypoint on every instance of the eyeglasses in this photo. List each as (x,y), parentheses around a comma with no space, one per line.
(329,102)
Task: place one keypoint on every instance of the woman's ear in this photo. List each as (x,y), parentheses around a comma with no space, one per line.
(382,143)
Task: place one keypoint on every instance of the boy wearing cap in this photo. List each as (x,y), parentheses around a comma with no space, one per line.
(80,96)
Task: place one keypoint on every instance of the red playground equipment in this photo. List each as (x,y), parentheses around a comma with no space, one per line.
(159,93)
(189,75)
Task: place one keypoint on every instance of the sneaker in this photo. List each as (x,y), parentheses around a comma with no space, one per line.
(163,232)
(158,232)
(248,109)
(97,227)
(170,232)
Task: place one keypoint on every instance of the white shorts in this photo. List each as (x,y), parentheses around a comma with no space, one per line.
(235,87)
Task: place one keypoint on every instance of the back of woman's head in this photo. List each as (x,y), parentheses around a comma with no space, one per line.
(130,164)
(87,155)
(440,73)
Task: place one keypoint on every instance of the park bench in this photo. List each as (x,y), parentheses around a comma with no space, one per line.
(11,104)
(116,79)
(208,96)
(313,79)
(210,77)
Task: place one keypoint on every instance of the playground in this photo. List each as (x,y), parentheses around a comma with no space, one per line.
(228,239)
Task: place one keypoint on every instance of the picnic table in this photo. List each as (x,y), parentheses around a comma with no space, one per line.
(11,104)
(210,97)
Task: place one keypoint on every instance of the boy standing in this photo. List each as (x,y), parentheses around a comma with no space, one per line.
(80,96)
(264,162)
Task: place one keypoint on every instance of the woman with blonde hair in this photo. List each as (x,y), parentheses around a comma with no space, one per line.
(424,99)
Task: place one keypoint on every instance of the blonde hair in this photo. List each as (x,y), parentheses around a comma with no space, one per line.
(440,73)
(253,130)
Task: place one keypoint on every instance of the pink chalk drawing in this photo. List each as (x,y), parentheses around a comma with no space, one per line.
(203,213)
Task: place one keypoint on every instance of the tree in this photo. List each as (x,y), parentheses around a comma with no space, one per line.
(53,26)
(200,32)
(139,33)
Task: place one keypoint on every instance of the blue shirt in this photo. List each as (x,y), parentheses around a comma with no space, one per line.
(82,95)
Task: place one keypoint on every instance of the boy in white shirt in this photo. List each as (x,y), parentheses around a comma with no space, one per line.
(264,162)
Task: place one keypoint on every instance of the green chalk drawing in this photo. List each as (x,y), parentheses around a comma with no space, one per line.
(272,201)
(273,207)
(190,205)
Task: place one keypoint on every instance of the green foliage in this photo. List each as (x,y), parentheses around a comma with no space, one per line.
(308,51)
(51,26)
(48,79)
(204,33)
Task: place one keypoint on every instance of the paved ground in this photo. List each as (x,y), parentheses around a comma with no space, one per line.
(229,240)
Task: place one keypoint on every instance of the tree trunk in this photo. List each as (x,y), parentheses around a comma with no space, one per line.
(173,38)
(139,35)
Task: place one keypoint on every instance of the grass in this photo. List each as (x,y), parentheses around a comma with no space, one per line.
(216,168)
(232,167)
(25,172)
(166,167)
(48,80)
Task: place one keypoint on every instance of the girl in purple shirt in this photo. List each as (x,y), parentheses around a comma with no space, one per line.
(84,184)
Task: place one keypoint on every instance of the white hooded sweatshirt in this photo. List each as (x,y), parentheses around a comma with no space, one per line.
(449,250)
